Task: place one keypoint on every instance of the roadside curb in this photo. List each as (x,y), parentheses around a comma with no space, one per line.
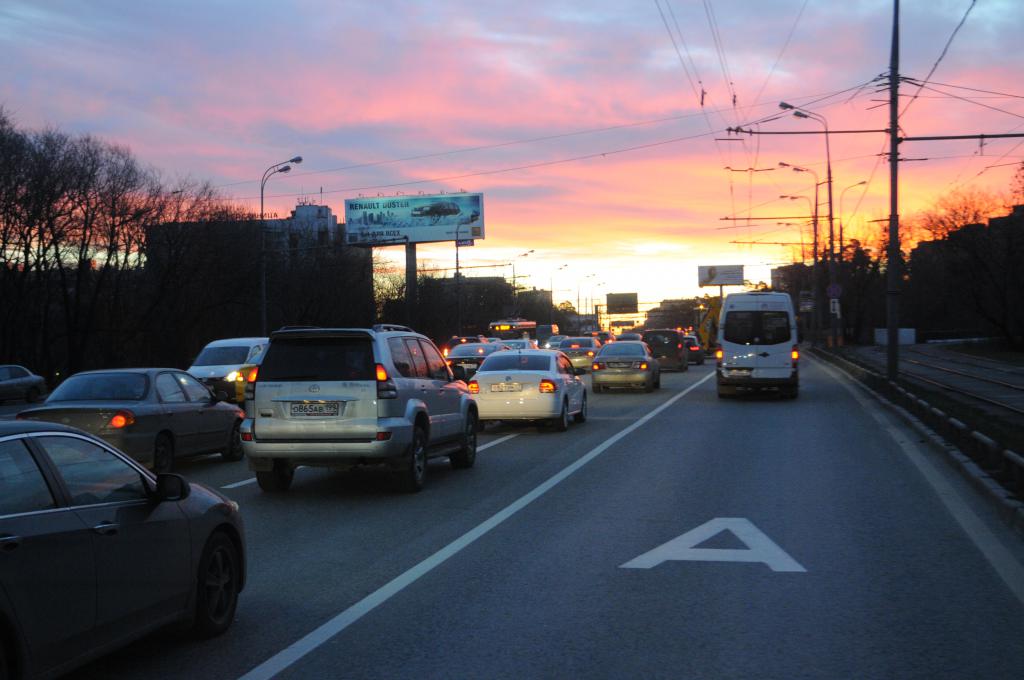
(971,453)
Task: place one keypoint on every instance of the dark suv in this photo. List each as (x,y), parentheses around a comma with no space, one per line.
(669,347)
(340,397)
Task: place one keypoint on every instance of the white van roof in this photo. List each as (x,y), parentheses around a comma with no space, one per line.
(758,300)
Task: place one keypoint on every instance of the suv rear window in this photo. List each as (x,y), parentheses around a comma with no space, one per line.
(300,359)
(656,338)
(757,328)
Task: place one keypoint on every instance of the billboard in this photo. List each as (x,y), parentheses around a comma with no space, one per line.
(720,275)
(621,303)
(414,219)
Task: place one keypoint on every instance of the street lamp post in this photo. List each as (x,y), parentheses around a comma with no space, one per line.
(842,217)
(816,315)
(458,285)
(811,210)
(551,306)
(800,113)
(281,167)
(515,287)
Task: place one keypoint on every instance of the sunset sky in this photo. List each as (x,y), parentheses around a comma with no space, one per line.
(580,121)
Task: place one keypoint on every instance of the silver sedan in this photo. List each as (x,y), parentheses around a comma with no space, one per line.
(152,414)
(625,364)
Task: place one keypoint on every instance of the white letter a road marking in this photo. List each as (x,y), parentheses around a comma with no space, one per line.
(760,548)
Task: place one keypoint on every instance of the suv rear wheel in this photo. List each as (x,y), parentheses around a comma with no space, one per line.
(413,473)
(466,456)
(278,479)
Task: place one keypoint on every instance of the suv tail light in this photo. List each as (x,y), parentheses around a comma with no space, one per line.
(547,387)
(474,387)
(386,387)
(122,419)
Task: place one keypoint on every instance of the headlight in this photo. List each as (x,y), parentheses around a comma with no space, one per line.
(232,376)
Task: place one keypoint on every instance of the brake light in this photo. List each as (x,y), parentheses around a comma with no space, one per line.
(386,388)
(383,436)
(718,356)
(679,346)
(643,365)
(694,348)
(595,367)
(590,353)
(795,354)
(122,419)
(247,436)
(547,387)
(251,378)
(474,387)
(444,352)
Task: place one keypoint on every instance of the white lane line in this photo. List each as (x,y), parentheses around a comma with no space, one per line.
(1001,559)
(325,632)
(482,447)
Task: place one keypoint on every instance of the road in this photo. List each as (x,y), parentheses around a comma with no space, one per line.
(809,539)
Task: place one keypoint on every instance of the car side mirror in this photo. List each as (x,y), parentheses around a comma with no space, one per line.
(220,395)
(171,487)
(459,372)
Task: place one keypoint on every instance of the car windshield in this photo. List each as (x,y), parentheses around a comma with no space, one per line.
(514,361)
(570,343)
(518,344)
(473,349)
(102,387)
(318,358)
(622,349)
(222,356)
(756,327)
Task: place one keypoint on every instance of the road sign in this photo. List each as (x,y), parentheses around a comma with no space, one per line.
(834,290)
(806,301)
(465,242)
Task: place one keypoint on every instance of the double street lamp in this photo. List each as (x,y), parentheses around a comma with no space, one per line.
(274,169)
(801,113)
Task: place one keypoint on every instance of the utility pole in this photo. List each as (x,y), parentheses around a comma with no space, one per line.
(892,312)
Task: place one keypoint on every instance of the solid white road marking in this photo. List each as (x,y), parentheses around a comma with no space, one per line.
(328,630)
(482,447)
(1001,559)
(760,548)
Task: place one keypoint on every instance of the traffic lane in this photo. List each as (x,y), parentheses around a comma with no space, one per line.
(333,538)
(892,587)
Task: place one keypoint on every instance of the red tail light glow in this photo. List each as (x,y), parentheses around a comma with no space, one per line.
(547,387)
(252,374)
(444,352)
(382,373)
(122,419)
(590,353)
(795,354)
(595,367)
(474,387)
(643,365)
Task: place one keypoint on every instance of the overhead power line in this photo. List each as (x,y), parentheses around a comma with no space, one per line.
(938,61)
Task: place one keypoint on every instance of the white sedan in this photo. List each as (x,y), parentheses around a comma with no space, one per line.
(536,384)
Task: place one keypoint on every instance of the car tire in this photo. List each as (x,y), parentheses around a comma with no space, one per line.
(32,395)
(561,423)
(276,480)
(464,458)
(163,453)
(234,452)
(648,386)
(581,417)
(413,473)
(217,585)
(657,382)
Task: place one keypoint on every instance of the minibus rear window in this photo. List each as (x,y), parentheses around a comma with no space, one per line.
(757,328)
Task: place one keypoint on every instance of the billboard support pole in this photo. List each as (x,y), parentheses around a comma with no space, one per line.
(410,285)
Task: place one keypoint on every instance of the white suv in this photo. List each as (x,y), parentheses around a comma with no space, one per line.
(340,397)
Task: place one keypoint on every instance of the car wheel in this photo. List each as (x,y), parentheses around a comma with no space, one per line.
(217,586)
(278,479)
(163,453)
(657,382)
(581,417)
(466,456)
(561,423)
(648,385)
(32,396)
(233,451)
(414,471)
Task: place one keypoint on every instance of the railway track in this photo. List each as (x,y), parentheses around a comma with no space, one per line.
(998,390)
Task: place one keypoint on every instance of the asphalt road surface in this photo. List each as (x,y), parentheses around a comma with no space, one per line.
(673,535)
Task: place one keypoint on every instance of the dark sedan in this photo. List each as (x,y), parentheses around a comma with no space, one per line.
(95,551)
(470,355)
(152,414)
(17,382)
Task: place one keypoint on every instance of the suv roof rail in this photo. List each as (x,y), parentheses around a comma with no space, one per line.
(391,327)
(297,328)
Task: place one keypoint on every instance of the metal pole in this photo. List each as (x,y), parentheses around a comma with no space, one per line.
(892,313)
(458,286)
(263,263)
(833,318)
